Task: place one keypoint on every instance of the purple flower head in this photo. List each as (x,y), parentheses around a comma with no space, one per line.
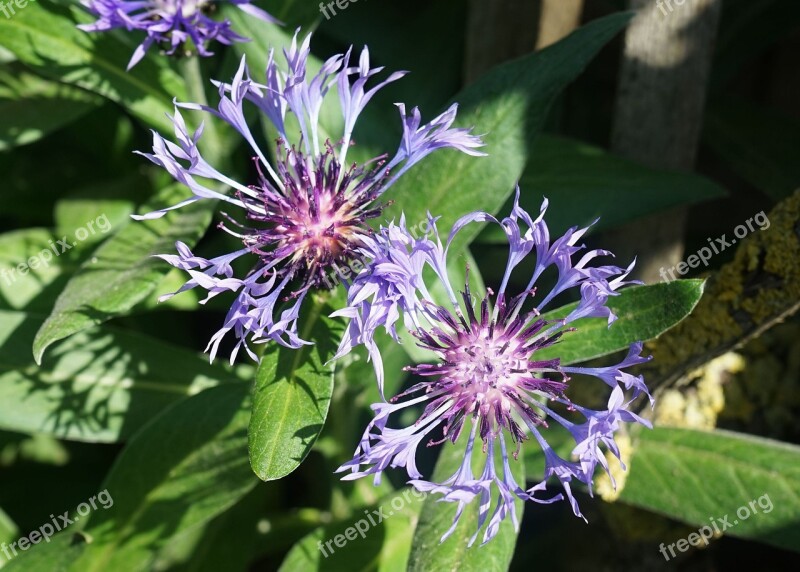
(306,212)
(169,24)
(485,378)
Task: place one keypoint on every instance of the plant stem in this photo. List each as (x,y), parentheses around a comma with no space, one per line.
(211,143)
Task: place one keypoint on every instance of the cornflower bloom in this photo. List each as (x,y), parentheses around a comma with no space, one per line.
(170,24)
(485,377)
(306,215)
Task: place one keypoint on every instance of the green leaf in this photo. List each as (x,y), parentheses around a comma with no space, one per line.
(53,556)
(292,394)
(695,476)
(6,57)
(509,105)
(8,529)
(31,106)
(358,372)
(757,143)
(97,208)
(292,13)
(183,469)
(101,385)
(383,547)
(229,542)
(428,553)
(644,313)
(583,182)
(122,272)
(30,274)
(44,36)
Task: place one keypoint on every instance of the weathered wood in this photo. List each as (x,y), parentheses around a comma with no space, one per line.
(659,112)
(757,289)
(500,30)
(557,19)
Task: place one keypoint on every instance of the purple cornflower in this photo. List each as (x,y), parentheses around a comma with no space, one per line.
(307,213)
(486,379)
(169,23)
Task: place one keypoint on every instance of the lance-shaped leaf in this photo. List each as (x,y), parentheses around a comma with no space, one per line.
(292,394)
(53,556)
(583,182)
(428,553)
(182,470)
(509,105)
(122,272)
(377,539)
(643,313)
(101,385)
(31,106)
(702,477)
(30,273)
(44,37)
(8,530)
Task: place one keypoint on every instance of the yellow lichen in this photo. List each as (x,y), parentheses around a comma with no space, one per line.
(699,403)
(760,285)
(765,396)
(609,488)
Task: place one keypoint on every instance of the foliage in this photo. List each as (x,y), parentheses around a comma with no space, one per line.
(217,466)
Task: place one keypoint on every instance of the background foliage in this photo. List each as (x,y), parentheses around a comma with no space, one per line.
(214,466)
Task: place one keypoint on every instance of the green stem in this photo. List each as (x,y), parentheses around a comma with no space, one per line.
(211,143)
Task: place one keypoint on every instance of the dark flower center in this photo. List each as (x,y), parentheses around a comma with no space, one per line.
(320,234)
(487,369)
(316,222)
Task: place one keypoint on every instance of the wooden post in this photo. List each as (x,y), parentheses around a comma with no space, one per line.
(498,30)
(501,30)
(659,113)
(557,19)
